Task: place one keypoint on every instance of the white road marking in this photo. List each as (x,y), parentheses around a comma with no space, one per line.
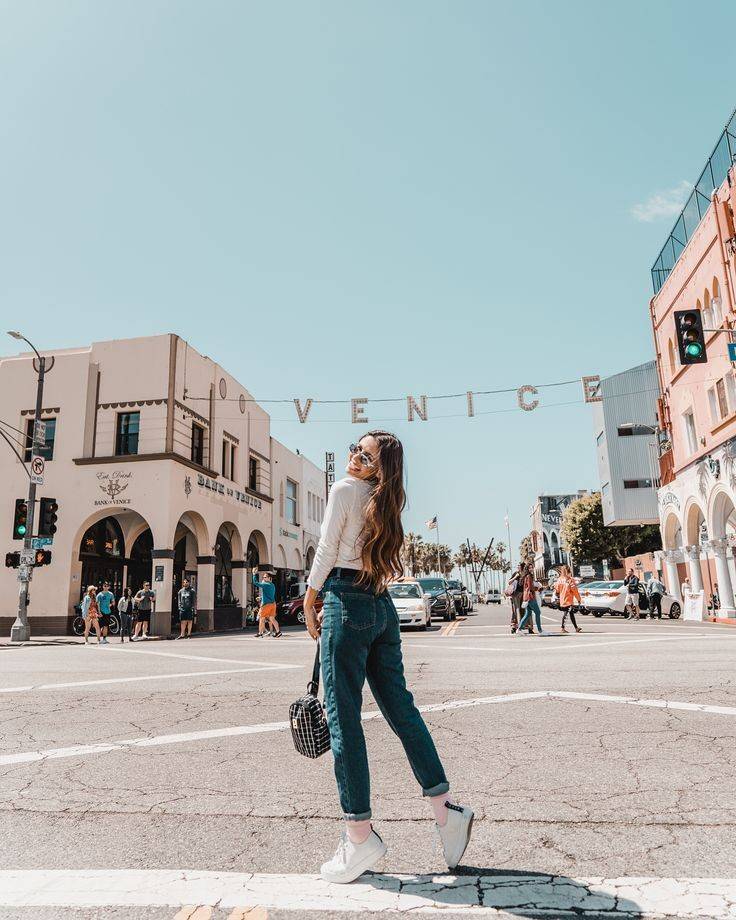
(131,680)
(266,727)
(476,895)
(232,731)
(145,651)
(632,701)
(570,642)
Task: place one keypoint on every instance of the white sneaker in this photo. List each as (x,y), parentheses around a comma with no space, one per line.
(351,860)
(455,835)
(545,633)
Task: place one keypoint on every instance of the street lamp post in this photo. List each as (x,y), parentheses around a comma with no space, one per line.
(21,630)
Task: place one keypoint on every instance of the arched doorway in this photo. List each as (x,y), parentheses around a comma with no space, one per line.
(309,559)
(139,563)
(228,548)
(102,554)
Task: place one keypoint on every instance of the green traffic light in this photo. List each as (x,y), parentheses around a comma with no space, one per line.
(22,529)
(694,350)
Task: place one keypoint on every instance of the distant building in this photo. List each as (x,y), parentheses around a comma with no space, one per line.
(626,443)
(546,515)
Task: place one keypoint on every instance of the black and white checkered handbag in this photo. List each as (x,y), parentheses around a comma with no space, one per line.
(307,719)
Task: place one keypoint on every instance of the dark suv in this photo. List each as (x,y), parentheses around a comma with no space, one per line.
(443,604)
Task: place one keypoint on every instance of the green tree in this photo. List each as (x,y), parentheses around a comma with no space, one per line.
(526,552)
(586,537)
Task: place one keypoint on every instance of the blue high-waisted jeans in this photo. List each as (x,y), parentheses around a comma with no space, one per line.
(360,638)
(532,607)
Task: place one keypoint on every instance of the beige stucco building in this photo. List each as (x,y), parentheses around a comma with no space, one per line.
(163,465)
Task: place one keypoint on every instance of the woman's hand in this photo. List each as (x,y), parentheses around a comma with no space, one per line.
(312,620)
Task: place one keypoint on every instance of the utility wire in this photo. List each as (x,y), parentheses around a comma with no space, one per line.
(2,433)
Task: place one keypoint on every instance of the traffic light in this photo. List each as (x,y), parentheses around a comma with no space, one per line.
(690,337)
(20,519)
(12,560)
(43,557)
(47,517)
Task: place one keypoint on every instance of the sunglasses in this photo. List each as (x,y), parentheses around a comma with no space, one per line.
(365,458)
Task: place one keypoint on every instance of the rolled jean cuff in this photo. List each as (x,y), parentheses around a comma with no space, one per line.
(363,816)
(439,789)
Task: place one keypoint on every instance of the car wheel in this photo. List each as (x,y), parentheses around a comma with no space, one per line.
(447,616)
(300,618)
(598,614)
(78,626)
(675,612)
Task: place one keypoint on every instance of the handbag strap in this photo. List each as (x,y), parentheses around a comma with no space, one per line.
(313,685)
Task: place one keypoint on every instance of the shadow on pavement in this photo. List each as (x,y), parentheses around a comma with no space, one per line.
(517,893)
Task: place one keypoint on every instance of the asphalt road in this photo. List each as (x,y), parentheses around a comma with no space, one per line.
(158,780)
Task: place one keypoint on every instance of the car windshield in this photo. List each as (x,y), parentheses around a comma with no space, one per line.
(404,590)
(594,584)
(455,585)
(432,584)
(610,585)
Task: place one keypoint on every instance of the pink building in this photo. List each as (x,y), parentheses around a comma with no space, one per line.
(697,411)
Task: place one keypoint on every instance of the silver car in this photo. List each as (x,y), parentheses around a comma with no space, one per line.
(600,597)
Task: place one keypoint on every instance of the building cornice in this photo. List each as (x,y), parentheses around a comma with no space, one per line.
(132,403)
(140,458)
(53,411)
(195,415)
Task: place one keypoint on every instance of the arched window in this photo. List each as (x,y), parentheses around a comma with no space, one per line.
(706,311)
(716,303)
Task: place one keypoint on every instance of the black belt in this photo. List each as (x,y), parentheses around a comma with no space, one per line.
(344,574)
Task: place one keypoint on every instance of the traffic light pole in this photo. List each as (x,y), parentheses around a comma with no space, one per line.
(21,630)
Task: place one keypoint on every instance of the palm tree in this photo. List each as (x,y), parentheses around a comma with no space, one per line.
(412,553)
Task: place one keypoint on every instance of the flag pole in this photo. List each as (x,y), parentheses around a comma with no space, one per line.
(439,567)
(508,532)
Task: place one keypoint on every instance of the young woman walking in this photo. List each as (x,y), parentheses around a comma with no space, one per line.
(531,587)
(569,595)
(358,554)
(91,614)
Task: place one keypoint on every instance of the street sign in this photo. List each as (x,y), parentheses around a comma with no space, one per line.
(732,351)
(330,470)
(586,571)
(38,465)
(27,556)
(40,542)
(39,433)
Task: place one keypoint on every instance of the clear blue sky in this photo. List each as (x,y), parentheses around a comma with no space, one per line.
(339,199)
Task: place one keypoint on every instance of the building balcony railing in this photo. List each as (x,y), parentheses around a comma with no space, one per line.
(697,204)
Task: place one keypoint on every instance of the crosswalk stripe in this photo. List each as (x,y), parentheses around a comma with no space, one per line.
(472,894)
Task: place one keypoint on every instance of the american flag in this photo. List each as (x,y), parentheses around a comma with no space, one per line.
(432,525)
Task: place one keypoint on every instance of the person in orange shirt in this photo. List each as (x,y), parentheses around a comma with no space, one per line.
(567,592)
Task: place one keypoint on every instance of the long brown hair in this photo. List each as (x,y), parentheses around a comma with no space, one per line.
(383,534)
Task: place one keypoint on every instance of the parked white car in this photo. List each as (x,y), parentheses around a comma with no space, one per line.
(413,604)
(599,597)
(494,596)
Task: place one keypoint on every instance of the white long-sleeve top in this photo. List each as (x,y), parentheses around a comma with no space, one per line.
(340,542)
